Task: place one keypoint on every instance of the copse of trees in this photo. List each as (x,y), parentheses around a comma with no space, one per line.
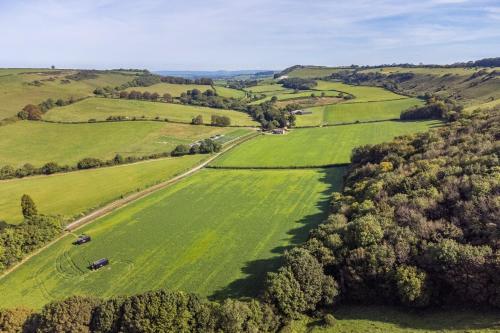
(270,116)
(220,121)
(417,224)
(198,120)
(17,241)
(298,83)
(207,146)
(434,109)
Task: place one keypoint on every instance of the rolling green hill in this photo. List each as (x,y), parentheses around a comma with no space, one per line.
(315,146)
(102,108)
(349,112)
(73,193)
(39,142)
(207,234)
(18,87)
(177,89)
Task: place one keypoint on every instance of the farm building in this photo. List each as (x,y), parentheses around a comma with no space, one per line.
(99,263)
(300,112)
(279,131)
(82,239)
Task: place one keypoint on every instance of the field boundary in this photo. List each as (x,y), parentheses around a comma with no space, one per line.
(305,167)
(109,208)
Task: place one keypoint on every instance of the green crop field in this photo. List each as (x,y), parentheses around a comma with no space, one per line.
(361,93)
(290,94)
(467,71)
(229,92)
(315,146)
(351,112)
(177,89)
(208,234)
(16,92)
(38,142)
(266,88)
(73,193)
(384,319)
(102,108)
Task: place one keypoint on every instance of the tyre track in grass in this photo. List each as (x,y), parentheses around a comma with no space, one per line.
(111,207)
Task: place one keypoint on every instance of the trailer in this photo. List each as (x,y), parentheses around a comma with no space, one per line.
(82,239)
(98,264)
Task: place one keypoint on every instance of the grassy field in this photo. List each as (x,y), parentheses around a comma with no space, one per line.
(361,93)
(315,146)
(229,92)
(290,94)
(351,112)
(214,233)
(313,72)
(38,143)
(102,108)
(70,194)
(427,71)
(382,319)
(16,92)
(177,89)
(266,88)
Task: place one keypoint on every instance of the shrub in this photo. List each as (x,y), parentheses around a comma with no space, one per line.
(329,320)
(180,150)
(89,163)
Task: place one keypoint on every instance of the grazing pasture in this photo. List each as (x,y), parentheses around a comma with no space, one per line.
(351,112)
(361,93)
(71,194)
(315,146)
(38,142)
(17,88)
(102,108)
(215,233)
(264,88)
(177,89)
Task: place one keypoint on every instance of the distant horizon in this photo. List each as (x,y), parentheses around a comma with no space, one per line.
(248,69)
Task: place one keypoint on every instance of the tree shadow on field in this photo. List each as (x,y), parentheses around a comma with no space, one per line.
(256,270)
(429,319)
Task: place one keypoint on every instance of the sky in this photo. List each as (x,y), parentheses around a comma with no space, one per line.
(249,34)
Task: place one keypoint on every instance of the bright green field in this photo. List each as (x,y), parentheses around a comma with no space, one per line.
(70,194)
(362,93)
(102,108)
(38,142)
(383,319)
(315,146)
(351,112)
(290,94)
(216,233)
(229,92)
(177,89)
(15,92)
(266,88)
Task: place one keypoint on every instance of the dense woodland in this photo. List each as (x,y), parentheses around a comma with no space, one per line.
(417,224)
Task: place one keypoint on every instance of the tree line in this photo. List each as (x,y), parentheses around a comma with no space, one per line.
(9,172)
(435,108)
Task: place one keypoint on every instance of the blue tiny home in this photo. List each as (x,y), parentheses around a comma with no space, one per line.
(99,263)
(82,239)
